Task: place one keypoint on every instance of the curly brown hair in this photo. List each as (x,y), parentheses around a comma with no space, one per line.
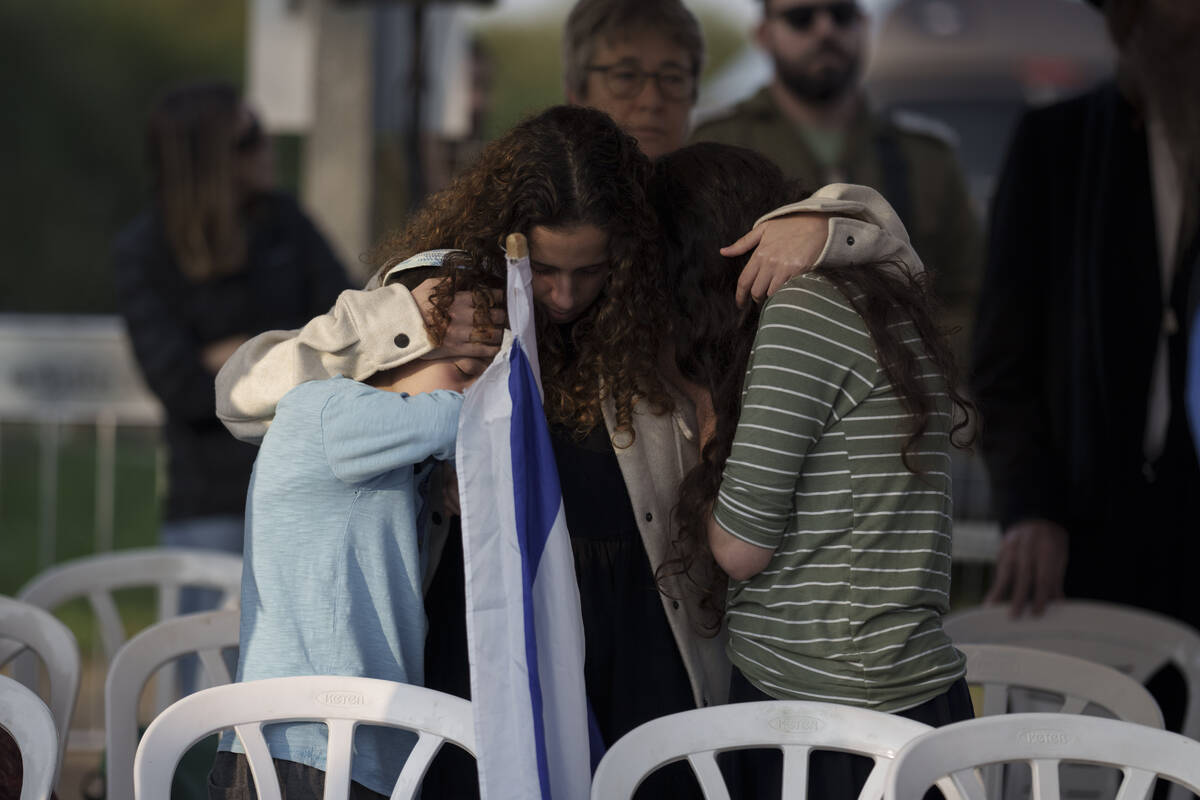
(708,194)
(565,167)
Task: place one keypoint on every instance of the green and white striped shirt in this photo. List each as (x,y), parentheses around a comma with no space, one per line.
(849,608)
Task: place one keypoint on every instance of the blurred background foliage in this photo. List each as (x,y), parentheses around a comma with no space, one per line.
(81,76)
(84,73)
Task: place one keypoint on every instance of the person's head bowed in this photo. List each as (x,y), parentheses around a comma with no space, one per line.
(574,184)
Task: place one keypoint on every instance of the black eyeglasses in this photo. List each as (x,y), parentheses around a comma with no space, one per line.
(250,139)
(624,81)
(801,18)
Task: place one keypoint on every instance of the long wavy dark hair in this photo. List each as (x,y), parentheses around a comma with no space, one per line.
(565,167)
(190,144)
(707,195)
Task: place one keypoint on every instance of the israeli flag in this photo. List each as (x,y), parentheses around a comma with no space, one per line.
(524,629)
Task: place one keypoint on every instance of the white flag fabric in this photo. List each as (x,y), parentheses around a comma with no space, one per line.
(524,628)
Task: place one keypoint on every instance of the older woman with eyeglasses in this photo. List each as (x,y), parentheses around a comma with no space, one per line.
(218,256)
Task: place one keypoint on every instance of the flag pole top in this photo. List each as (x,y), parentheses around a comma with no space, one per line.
(515,246)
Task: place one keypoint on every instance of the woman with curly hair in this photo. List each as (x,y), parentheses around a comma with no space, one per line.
(574,184)
(823,490)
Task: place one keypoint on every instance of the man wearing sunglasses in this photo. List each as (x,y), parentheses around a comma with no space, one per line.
(813,120)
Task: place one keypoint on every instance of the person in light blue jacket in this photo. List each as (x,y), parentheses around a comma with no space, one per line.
(334,559)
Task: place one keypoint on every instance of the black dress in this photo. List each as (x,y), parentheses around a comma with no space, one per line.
(632,669)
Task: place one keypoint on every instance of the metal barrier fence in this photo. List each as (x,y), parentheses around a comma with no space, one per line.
(58,370)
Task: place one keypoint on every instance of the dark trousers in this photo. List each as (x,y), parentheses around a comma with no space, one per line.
(753,774)
(230,779)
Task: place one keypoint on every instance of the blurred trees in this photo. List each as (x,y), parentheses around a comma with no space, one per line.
(82,76)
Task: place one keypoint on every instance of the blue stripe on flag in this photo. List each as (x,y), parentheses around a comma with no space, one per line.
(536,499)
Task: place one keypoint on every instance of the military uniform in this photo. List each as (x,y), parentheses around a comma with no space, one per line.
(909,159)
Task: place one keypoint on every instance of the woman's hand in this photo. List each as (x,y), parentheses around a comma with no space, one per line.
(783,247)
(460,339)
(215,354)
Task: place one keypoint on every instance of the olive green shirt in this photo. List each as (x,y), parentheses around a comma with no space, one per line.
(936,209)
(849,609)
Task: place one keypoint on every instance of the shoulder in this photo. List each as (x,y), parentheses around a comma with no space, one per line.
(1056,132)
(717,124)
(930,145)
(316,394)
(810,327)
(280,211)
(810,289)
(280,204)
(917,127)
(812,302)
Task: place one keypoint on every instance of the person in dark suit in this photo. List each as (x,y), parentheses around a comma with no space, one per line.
(1081,348)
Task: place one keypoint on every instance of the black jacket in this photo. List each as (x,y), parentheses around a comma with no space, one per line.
(290,276)
(1068,321)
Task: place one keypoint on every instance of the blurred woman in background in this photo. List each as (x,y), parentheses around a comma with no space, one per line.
(823,488)
(219,256)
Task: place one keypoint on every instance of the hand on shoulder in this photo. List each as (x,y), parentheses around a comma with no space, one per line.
(783,248)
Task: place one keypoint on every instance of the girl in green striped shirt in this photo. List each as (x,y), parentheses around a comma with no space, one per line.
(823,492)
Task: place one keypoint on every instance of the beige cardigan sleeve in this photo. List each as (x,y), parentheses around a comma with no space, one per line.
(863,229)
(365,332)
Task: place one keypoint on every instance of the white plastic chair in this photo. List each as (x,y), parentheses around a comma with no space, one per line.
(205,634)
(340,703)
(26,627)
(796,728)
(96,577)
(28,720)
(1064,684)
(1131,640)
(1044,741)
(998,669)
(167,569)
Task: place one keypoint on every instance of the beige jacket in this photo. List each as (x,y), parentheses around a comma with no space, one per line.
(370,330)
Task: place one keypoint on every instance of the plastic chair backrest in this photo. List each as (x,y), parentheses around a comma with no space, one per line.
(28,720)
(1131,640)
(168,569)
(796,728)
(204,634)
(27,627)
(96,577)
(999,668)
(1005,673)
(1044,741)
(340,703)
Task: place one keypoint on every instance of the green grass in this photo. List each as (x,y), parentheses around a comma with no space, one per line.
(136,511)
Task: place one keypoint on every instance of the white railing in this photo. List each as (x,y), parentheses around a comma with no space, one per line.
(58,370)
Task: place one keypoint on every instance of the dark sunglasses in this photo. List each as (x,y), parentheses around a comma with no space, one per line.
(250,139)
(801,18)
